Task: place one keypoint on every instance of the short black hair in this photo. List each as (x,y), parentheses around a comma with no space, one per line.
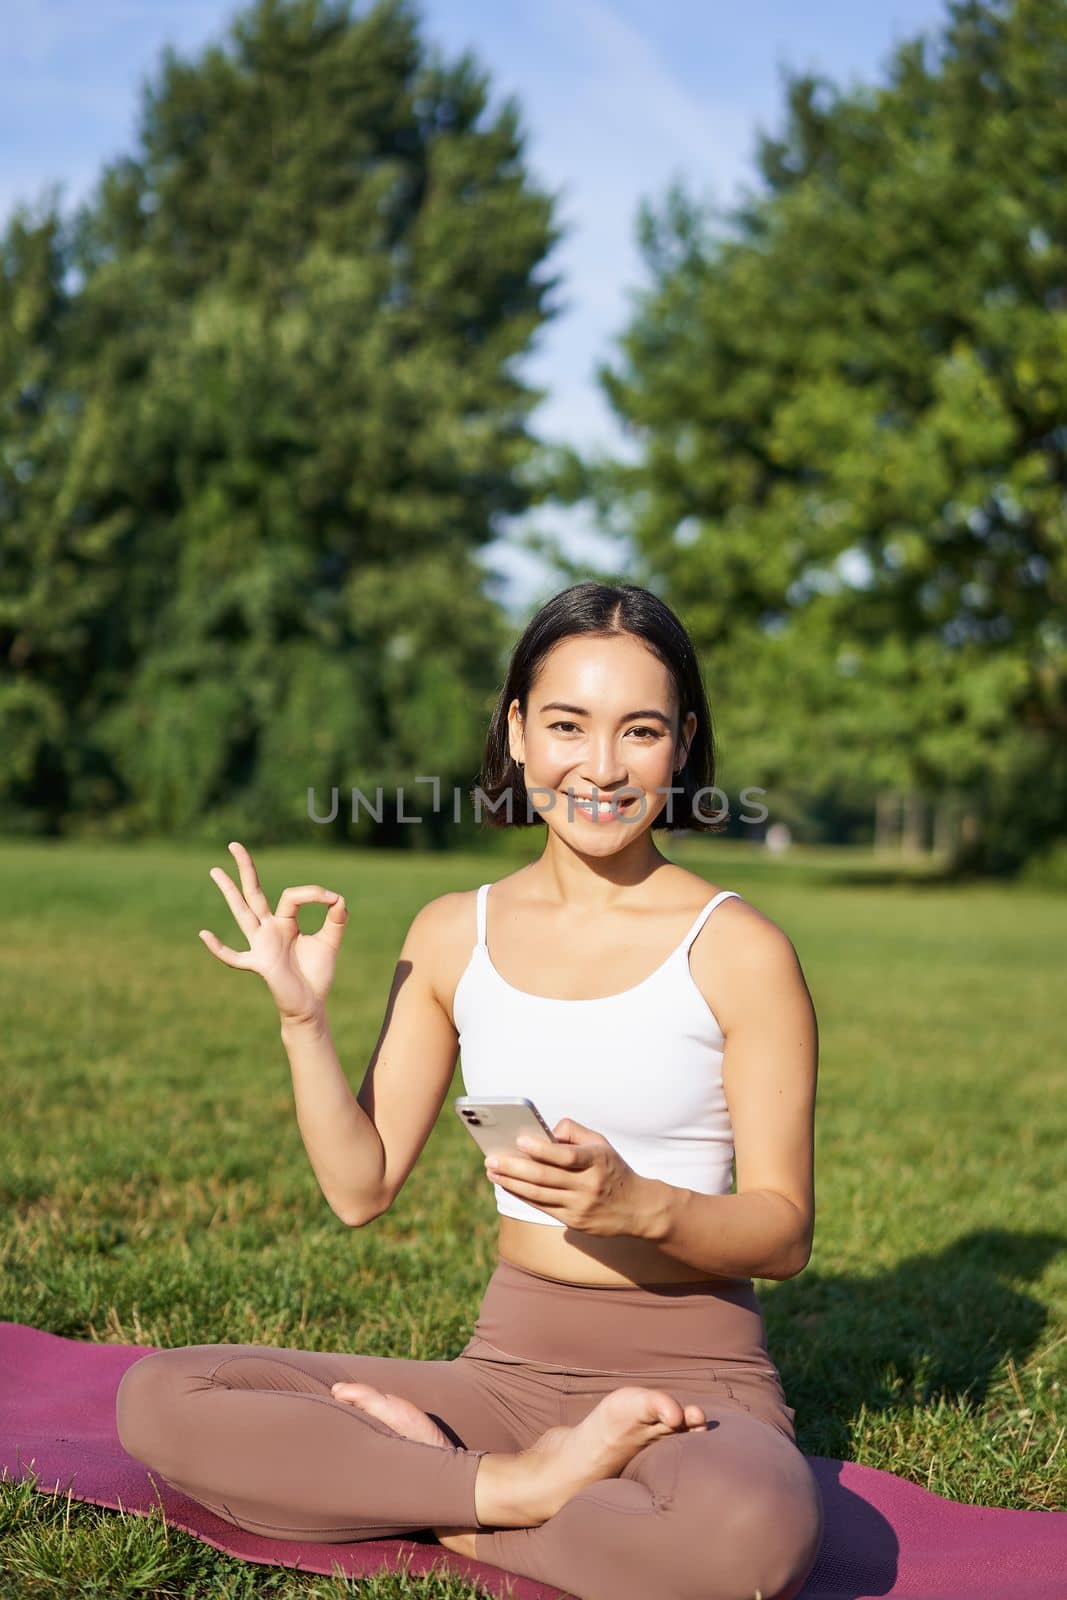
(603,610)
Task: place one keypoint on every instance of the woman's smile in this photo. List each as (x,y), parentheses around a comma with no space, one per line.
(604,810)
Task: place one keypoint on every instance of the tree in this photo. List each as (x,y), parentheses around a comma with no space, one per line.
(291,345)
(850,408)
(46,601)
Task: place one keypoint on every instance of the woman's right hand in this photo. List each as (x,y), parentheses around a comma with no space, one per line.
(297,967)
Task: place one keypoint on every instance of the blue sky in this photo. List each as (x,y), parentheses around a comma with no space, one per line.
(618,97)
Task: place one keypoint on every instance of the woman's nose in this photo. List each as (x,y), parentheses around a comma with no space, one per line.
(606,773)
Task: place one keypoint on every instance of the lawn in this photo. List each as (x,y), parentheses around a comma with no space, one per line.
(156,1190)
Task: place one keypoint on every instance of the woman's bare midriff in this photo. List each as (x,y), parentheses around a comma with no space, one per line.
(540,1248)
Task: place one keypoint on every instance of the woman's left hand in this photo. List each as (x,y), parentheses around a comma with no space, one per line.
(582,1181)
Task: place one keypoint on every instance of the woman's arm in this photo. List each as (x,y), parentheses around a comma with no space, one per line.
(341,1140)
(752,978)
(363,1147)
(750,1235)
(298,969)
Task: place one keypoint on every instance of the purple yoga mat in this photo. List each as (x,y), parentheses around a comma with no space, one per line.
(883,1536)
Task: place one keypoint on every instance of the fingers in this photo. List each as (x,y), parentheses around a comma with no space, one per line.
(244,917)
(333,928)
(232,958)
(304,894)
(250,883)
(252,907)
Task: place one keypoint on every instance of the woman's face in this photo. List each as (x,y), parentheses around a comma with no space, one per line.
(601,715)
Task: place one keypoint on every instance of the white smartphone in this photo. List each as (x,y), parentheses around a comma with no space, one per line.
(495,1121)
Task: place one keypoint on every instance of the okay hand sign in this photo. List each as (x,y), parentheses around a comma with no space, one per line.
(297,967)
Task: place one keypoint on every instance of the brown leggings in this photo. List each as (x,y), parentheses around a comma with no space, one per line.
(726,1513)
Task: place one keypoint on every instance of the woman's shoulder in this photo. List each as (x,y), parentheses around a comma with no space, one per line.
(741,955)
(737,929)
(446,917)
(442,935)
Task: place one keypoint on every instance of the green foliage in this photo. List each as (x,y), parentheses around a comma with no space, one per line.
(265,371)
(850,409)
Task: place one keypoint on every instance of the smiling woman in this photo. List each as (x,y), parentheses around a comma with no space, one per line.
(664,733)
(583,1034)
(617,1382)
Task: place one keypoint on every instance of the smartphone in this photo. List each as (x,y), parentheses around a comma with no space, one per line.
(495,1121)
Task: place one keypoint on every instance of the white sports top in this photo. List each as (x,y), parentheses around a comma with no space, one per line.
(643,1067)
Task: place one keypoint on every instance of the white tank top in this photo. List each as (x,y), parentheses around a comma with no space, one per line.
(643,1067)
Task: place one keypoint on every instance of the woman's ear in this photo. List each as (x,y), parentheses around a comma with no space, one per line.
(516,740)
(686,738)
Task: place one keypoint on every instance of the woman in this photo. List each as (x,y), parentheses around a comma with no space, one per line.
(615,1425)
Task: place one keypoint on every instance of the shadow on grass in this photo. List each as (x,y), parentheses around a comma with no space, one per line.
(937,1326)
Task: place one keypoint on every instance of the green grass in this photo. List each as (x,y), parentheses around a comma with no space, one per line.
(156,1189)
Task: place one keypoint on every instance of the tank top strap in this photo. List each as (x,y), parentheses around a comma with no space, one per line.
(482,892)
(702,916)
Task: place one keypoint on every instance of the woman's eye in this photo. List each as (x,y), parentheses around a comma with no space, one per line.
(652,733)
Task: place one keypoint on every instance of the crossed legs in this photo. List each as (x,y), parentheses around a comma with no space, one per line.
(254,1433)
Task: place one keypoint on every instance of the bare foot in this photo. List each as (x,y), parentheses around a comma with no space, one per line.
(563,1460)
(524,1490)
(403,1416)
